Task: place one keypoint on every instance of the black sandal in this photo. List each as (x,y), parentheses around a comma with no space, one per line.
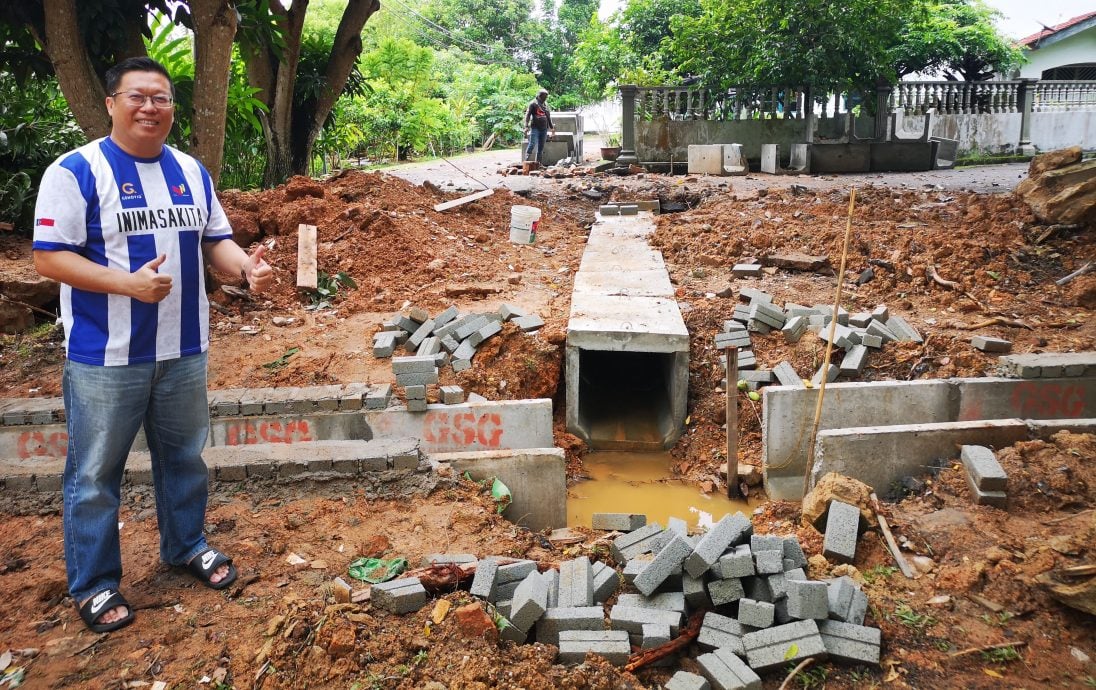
(206,563)
(94,608)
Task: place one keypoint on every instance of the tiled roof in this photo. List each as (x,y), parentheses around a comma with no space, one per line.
(1033,40)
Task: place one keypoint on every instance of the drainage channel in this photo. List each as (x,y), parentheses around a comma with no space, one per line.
(638,482)
(627,353)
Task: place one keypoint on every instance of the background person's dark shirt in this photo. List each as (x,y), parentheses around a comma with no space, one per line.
(538,115)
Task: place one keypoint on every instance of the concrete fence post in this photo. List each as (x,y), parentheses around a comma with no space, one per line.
(1025,98)
(627,127)
(882,112)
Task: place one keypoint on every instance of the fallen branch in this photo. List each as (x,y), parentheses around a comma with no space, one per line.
(1055,521)
(950,284)
(892,545)
(1079,272)
(999,321)
(795,671)
(987,648)
(29,306)
(684,638)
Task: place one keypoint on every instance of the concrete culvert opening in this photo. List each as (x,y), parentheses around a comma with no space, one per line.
(625,399)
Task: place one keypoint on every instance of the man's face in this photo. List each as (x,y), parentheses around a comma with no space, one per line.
(140,130)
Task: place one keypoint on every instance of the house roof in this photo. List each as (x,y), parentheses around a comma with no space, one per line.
(1035,39)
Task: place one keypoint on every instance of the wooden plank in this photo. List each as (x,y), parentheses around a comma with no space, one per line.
(445,206)
(307,269)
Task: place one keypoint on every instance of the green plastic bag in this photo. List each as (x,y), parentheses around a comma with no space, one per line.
(501,493)
(374,570)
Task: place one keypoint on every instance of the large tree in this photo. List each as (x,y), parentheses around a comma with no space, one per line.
(292,124)
(955,38)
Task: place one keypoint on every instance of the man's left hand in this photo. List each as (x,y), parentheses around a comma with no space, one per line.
(257,271)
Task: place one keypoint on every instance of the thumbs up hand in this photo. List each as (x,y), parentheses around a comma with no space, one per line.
(256,271)
(147,283)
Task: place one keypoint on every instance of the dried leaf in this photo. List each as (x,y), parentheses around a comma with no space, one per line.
(441,610)
(991,672)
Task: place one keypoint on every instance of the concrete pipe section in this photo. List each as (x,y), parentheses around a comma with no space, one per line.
(627,367)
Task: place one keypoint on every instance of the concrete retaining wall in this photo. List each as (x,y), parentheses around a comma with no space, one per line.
(536,477)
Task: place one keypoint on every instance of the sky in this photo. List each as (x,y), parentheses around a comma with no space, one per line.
(1021,17)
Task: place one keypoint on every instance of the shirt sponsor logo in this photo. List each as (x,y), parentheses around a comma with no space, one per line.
(178,190)
(174,217)
(45,222)
(129,192)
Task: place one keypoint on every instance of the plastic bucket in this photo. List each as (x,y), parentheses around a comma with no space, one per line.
(523,224)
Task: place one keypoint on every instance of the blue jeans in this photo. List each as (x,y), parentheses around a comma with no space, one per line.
(537,137)
(105,407)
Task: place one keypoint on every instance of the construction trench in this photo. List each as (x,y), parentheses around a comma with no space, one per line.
(626,380)
(626,387)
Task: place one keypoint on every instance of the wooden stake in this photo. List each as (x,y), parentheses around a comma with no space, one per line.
(733,489)
(829,346)
(307,270)
(892,545)
(446,205)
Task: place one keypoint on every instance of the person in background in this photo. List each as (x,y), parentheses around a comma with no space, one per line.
(538,123)
(126,224)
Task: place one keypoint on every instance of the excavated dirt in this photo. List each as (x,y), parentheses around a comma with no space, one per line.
(280,627)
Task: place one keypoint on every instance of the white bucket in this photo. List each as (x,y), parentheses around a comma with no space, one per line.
(523,224)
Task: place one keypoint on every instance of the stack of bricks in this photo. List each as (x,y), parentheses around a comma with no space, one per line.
(1048,365)
(985,476)
(762,611)
(415,374)
(449,337)
(854,334)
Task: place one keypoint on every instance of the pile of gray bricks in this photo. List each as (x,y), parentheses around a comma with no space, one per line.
(985,476)
(1048,365)
(762,611)
(854,334)
(450,337)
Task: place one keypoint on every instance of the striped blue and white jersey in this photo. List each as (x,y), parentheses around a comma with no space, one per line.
(122,212)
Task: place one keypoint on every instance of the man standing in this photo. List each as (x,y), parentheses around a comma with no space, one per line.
(538,122)
(124,224)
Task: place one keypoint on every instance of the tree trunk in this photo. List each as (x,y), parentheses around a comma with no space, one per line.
(214,29)
(82,87)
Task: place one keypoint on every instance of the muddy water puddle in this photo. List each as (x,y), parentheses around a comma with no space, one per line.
(630,482)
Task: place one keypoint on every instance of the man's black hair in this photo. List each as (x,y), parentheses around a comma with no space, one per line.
(135,64)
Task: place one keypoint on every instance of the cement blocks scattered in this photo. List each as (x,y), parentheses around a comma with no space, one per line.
(725,671)
(403,595)
(842,530)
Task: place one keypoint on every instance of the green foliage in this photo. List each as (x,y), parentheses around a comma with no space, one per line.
(1000,655)
(911,619)
(955,38)
(811,677)
(327,288)
(283,360)
(878,572)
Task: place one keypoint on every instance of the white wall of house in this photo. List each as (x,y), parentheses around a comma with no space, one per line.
(1078,48)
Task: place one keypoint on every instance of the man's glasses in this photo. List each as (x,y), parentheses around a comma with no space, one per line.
(137,100)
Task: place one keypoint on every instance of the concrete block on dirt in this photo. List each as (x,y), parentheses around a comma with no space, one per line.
(451,312)
(633,538)
(746,271)
(902,330)
(413,365)
(530,601)
(997,499)
(807,599)
(611,645)
(683,680)
(576,583)
(786,375)
(669,557)
(842,529)
(855,644)
(399,596)
(984,470)
(666,601)
(483,583)
(721,632)
(829,374)
(633,618)
(736,562)
(854,361)
(846,601)
(768,562)
(756,614)
(725,671)
(622,522)
(384,345)
(452,395)
(529,323)
(793,551)
(782,645)
(988,344)
(705,159)
(606,581)
(725,591)
(730,530)
(794,328)
(556,620)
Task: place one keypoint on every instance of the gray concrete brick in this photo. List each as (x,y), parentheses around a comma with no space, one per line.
(657,571)
(667,601)
(384,346)
(751,295)
(611,645)
(556,620)
(830,374)
(725,591)
(902,330)
(878,329)
(460,365)
(783,645)
(683,680)
(768,562)
(450,343)
(623,522)
(421,334)
(629,209)
(777,585)
(606,581)
(452,395)
(510,311)
(730,530)
(982,466)
(733,339)
(416,405)
(576,583)
(768,313)
(854,361)
(508,632)
(470,327)
(447,316)
(632,619)
(514,572)
(696,594)
(807,599)
(846,601)
(794,552)
(860,319)
(406,323)
(736,562)
(47,482)
(530,601)
(756,614)
(746,271)
(725,671)
(631,539)
(827,311)
(405,460)
(489,329)
(731,326)
(635,566)
(721,632)
(872,341)
(413,365)
(483,583)
(842,529)
(529,323)
(881,313)
(418,314)
(757,588)
(987,344)
(998,499)
(414,392)
(766,542)
(654,635)
(786,375)
(856,644)
(609,210)
(378,396)
(465,350)
(505,591)
(430,345)
(402,595)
